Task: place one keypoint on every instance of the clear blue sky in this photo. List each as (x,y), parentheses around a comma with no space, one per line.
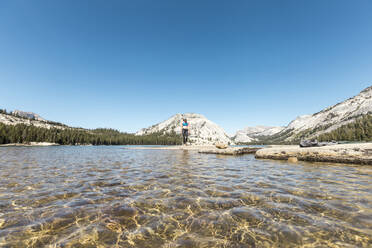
(130,64)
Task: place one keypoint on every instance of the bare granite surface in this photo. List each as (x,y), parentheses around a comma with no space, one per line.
(359,153)
(230,150)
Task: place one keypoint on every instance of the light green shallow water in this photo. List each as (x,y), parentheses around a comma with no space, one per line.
(111,197)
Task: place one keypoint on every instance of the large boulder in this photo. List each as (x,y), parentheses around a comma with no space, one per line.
(220,145)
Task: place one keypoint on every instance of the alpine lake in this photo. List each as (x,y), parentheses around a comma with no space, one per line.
(108,196)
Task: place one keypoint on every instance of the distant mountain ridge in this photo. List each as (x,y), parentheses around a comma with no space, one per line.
(251,134)
(28,118)
(329,119)
(202,131)
(28,115)
(331,122)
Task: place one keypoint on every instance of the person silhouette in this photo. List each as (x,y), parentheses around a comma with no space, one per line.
(185,131)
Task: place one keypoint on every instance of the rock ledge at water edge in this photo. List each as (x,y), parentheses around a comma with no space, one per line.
(360,153)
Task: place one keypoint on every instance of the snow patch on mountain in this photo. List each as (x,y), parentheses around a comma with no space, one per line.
(201,130)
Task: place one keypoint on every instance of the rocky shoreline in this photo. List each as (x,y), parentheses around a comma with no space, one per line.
(30,144)
(230,150)
(209,149)
(360,153)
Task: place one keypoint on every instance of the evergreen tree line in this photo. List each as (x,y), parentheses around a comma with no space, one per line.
(22,133)
(359,130)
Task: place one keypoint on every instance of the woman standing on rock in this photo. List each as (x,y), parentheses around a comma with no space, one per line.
(185,131)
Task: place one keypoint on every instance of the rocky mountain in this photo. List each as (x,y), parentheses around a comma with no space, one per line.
(202,131)
(250,134)
(28,115)
(27,118)
(329,119)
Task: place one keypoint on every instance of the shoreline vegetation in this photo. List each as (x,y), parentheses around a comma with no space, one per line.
(29,135)
(24,130)
(355,153)
(25,134)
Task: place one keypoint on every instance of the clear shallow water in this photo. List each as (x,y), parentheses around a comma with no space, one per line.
(111,197)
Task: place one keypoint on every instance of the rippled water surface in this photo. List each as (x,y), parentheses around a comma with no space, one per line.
(112,197)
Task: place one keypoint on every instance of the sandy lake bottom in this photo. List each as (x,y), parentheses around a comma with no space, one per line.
(112,197)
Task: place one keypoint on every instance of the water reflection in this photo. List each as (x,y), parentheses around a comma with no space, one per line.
(111,197)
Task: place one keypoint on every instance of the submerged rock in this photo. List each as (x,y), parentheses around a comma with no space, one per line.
(292,160)
(125,211)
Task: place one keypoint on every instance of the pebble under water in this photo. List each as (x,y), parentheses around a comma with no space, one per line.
(112,197)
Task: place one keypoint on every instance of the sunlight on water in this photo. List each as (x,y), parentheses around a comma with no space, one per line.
(112,197)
